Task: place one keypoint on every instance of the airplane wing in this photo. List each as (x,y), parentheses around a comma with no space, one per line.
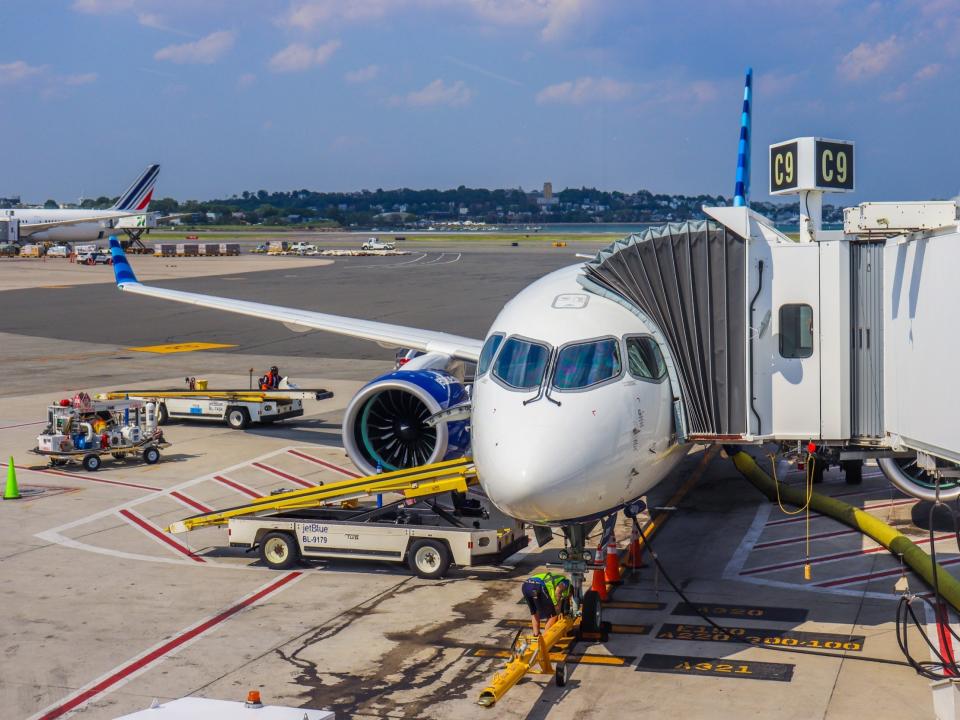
(386,335)
(28,229)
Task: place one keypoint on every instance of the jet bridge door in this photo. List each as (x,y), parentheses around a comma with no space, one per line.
(866,340)
(795,362)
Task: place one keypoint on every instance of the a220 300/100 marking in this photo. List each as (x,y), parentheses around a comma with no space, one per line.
(762,636)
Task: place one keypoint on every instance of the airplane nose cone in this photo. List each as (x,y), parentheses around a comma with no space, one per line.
(533,474)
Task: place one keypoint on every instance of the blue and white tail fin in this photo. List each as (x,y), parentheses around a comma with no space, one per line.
(137,197)
(121,266)
(741,192)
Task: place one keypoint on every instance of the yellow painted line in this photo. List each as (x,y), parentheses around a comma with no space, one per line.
(55,287)
(180,347)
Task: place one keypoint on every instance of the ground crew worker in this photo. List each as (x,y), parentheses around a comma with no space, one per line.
(547,595)
(270,381)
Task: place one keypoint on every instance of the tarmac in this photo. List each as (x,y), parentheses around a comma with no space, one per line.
(100,614)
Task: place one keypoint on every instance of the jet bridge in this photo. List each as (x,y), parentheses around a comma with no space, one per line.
(845,341)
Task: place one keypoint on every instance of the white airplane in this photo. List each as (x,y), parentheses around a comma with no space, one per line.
(571,416)
(79,225)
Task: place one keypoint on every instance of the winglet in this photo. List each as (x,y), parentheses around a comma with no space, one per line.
(121,266)
(741,193)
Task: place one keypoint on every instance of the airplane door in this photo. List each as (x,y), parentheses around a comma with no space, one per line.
(795,365)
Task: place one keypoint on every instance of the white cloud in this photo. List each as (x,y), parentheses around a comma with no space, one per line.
(585,89)
(436,93)
(18,70)
(867,60)
(362,75)
(928,71)
(204,51)
(102,7)
(298,57)
(557,17)
(308,14)
(246,80)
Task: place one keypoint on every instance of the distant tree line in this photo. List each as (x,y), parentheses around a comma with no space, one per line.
(407,207)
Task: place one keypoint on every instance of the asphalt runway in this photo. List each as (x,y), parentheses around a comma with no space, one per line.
(446,290)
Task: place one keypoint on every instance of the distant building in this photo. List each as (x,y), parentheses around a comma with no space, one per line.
(8,202)
(548,199)
(547,190)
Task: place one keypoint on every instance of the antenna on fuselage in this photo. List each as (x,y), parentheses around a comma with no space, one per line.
(741,192)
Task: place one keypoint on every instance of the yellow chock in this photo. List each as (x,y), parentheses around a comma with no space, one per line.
(12,492)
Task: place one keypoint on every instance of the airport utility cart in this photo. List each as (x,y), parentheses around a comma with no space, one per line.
(84,431)
(327,522)
(236,408)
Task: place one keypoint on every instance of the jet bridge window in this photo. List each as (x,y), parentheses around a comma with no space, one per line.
(490,348)
(796,331)
(521,364)
(586,364)
(644,359)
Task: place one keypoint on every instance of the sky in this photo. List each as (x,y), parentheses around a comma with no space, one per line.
(341,95)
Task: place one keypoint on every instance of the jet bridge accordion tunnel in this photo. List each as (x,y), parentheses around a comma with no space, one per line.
(689,282)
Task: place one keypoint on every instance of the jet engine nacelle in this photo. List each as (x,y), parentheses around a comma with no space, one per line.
(385,422)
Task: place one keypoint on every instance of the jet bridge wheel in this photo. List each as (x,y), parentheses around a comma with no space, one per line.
(429,559)
(279,551)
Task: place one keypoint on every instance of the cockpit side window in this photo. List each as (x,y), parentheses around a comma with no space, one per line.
(490,348)
(586,364)
(644,359)
(521,364)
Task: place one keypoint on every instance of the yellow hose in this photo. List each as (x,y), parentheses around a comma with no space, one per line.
(897,543)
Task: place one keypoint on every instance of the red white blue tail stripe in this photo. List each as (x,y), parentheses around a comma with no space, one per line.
(741,193)
(138,195)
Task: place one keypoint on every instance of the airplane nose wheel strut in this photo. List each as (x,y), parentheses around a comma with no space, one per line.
(576,560)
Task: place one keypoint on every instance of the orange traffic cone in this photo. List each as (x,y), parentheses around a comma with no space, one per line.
(612,567)
(599,583)
(635,557)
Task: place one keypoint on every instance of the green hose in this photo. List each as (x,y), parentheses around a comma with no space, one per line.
(897,543)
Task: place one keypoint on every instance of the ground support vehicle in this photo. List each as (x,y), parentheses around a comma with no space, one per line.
(325,522)
(84,431)
(375,244)
(236,408)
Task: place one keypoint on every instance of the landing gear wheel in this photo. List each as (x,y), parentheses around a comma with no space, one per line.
(279,551)
(91,463)
(151,455)
(590,607)
(560,677)
(238,418)
(853,471)
(429,559)
(163,417)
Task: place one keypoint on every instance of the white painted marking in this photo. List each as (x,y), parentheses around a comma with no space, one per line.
(740,555)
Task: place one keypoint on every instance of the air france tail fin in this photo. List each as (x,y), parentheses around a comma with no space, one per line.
(741,193)
(137,197)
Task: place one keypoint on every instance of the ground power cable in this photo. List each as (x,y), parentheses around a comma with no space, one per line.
(734,638)
(943,668)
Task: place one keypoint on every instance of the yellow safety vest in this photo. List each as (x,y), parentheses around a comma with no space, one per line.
(551,582)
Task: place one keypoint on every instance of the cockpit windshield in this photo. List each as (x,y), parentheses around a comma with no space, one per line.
(490,348)
(585,364)
(521,364)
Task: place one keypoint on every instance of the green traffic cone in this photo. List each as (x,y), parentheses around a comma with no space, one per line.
(12,492)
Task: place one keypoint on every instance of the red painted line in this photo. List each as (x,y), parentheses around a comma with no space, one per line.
(875,491)
(834,556)
(801,538)
(142,522)
(189,501)
(328,465)
(943,636)
(237,486)
(281,473)
(7,427)
(894,503)
(158,653)
(871,576)
(87,476)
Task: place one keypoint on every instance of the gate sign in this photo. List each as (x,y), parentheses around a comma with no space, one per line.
(811,163)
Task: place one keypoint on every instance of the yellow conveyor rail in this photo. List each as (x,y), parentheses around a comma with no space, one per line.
(412,483)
